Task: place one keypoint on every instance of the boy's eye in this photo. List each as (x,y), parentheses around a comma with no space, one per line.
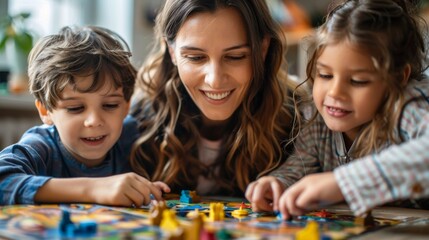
(110,106)
(74,109)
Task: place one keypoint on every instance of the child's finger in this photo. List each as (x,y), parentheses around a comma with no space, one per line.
(162,186)
(277,191)
(290,197)
(135,197)
(263,197)
(249,191)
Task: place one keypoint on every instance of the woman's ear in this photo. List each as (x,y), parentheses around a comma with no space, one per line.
(265,46)
(406,74)
(43,113)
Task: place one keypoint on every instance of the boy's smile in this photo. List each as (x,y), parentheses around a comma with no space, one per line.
(89,124)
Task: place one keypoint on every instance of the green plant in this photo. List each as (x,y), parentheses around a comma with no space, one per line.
(13,28)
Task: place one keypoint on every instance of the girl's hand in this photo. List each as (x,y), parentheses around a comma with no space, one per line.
(129,189)
(264,193)
(311,192)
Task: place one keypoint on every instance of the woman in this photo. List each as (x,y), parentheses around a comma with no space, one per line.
(212,100)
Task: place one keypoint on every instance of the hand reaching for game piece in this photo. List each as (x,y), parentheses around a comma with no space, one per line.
(127,189)
(311,192)
(264,193)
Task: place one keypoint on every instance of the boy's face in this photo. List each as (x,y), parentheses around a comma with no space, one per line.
(89,124)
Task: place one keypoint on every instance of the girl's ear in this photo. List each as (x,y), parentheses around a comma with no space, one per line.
(265,46)
(406,74)
(43,113)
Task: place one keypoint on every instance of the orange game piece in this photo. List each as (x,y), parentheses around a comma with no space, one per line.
(323,214)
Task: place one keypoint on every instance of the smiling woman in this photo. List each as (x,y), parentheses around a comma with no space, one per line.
(213,101)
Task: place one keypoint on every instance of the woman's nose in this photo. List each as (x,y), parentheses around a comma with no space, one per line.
(214,75)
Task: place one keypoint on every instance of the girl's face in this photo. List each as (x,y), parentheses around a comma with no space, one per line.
(347,90)
(213,58)
(89,124)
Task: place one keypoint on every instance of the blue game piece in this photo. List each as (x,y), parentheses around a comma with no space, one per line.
(65,221)
(87,227)
(185,197)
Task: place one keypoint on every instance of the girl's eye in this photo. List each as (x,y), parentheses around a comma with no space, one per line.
(324,76)
(74,109)
(110,106)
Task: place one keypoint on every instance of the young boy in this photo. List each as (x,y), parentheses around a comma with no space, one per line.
(82,79)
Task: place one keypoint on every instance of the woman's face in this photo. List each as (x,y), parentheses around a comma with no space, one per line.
(213,58)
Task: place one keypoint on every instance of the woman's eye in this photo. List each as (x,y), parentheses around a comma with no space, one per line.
(236,57)
(74,109)
(194,58)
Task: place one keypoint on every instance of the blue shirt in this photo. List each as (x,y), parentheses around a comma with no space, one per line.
(40,155)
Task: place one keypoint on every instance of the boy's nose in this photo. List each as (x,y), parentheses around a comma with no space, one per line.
(94,119)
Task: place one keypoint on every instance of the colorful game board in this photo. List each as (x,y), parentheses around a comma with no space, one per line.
(234,220)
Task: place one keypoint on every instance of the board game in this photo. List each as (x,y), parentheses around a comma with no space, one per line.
(179,218)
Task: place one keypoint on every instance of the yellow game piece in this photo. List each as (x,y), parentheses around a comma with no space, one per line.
(169,221)
(171,225)
(310,232)
(156,213)
(240,212)
(193,230)
(365,221)
(196,213)
(216,212)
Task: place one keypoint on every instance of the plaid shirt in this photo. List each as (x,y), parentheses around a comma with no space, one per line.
(397,172)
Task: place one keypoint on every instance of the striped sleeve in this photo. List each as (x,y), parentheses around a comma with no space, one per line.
(399,172)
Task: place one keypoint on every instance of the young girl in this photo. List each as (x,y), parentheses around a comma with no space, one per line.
(366,75)
(214,112)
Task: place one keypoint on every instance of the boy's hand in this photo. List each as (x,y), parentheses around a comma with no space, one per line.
(311,192)
(264,193)
(129,189)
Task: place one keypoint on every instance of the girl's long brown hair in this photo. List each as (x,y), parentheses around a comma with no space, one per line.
(388,30)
